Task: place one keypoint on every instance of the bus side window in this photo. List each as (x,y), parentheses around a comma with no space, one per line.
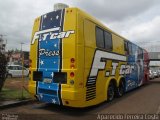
(133,49)
(130,48)
(99,38)
(108,41)
(140,53)
(126,47)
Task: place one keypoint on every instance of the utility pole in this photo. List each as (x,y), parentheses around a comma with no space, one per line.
(22,58)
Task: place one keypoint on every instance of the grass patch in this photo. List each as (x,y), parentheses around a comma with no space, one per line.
(13,94)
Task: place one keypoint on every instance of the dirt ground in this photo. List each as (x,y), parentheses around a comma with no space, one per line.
(16,83)
(14,89)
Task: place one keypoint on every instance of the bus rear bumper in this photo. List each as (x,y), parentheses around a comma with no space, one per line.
(48,98)
(73,98)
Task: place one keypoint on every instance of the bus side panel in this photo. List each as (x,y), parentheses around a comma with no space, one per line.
(94,94)
(33,57)
(135,59)
(118,47)
(118,44)
(90,45)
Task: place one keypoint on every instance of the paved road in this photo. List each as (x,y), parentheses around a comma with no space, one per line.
(144,100)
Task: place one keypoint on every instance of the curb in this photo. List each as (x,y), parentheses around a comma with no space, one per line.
(16,103)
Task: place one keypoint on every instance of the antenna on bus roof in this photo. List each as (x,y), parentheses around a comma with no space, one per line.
(59,6)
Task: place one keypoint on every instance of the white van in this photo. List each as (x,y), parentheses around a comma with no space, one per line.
(16,71)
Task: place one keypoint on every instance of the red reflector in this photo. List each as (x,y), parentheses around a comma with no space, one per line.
(72,74)
(72,66)
(72,60)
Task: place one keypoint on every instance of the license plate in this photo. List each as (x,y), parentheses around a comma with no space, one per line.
(47,80)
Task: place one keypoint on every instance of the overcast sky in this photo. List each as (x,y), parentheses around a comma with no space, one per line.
(136,20)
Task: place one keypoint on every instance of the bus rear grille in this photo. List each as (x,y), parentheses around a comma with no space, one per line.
(49,92)
(91,88)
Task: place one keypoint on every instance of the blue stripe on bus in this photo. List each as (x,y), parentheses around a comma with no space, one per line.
(49,64)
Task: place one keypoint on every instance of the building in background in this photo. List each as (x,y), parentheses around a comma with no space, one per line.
(153,49)
(154,61)
(15,57)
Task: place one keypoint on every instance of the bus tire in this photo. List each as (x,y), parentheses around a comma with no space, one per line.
(120,89)
(110,92)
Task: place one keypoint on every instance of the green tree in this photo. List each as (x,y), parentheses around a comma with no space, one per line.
(3,63)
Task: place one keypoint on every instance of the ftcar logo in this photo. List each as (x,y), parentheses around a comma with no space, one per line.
(49,32)
(100,60)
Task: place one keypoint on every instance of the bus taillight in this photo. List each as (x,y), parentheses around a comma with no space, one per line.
(72,74)
(72,60)
(72,65)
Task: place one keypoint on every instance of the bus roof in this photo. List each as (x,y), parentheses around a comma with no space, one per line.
(99,23)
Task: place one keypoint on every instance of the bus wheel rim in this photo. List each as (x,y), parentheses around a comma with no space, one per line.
(110,92)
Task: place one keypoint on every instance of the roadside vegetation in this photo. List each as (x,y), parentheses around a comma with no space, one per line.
(3,63)
(15,89)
